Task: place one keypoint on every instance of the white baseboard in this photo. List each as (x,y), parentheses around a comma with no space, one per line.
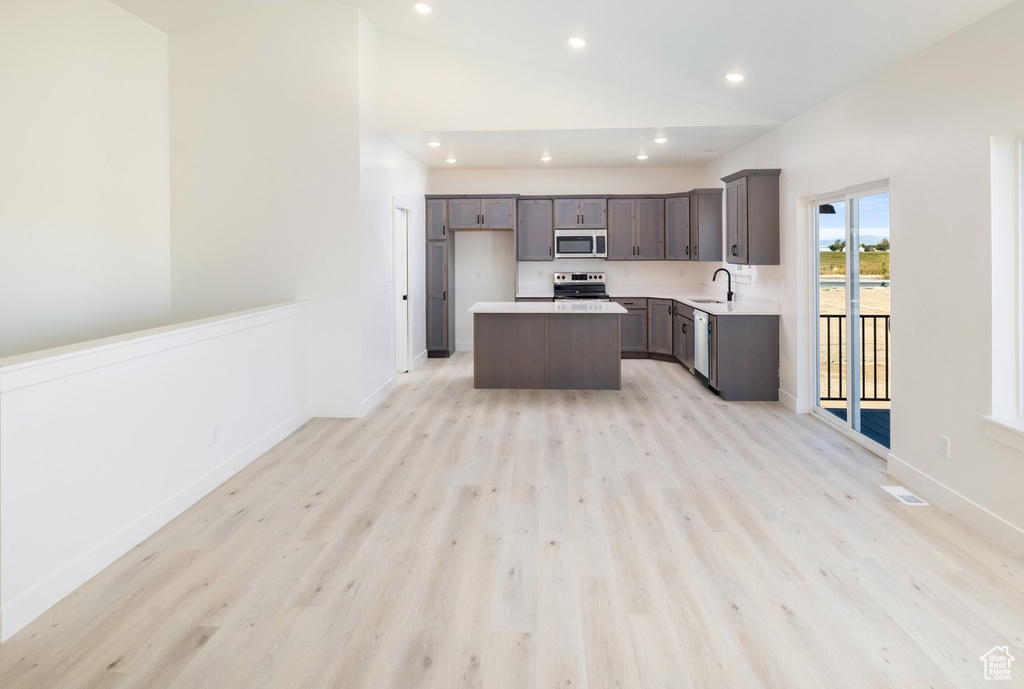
(377,396)
(966,510)
(355,411)
(463,346)
(37,600)
(420,358)
(788,400)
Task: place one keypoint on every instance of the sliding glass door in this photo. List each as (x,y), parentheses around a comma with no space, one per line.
(853,337)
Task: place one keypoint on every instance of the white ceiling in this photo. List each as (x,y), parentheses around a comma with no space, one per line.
(575,148)
(794,53)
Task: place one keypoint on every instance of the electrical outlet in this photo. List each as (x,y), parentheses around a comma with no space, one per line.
(540,274)
(682,273)
(626,273)
(478,275)
(944,446)
(215,434)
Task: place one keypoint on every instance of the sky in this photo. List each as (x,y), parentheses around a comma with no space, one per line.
(874,218)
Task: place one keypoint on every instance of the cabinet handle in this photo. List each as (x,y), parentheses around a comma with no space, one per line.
(734,251)
(684,328)
(695,253)
(442,230)
(687,250)
(549,250)
(444,295)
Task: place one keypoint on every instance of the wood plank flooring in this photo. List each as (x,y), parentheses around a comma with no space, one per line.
(647,538)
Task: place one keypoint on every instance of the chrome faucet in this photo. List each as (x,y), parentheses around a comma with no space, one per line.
(729,293)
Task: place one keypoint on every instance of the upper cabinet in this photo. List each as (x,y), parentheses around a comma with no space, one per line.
(752,217)
(677,228)
(636,229)
(437,219)
(706,225)
(573,214)
(481,213)
(535,234)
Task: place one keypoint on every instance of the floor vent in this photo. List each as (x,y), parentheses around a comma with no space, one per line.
(904,495)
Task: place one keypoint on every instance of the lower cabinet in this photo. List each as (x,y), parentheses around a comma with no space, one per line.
(682,340)
(633,325)
(659,326)
(744,357)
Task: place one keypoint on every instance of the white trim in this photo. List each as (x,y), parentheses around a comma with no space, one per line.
(788,400)
(22,610)
(356,411)
(49,364)
(418,359)
(1009,432)
(1019,291)
(984,521)
(463,346)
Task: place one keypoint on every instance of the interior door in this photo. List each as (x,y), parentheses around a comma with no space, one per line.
(401,291)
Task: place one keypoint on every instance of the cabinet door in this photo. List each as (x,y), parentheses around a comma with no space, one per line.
(677,229)
(535,237)
(686,333)
(677,337)
(736,221)
(620,230)
(498,214)
(437,296)
(706,226)
(567,214)
(732,239)
(634,330)
(464,214)
(593,213)
(649,232)
(659,326)
(437,219)
(713,352)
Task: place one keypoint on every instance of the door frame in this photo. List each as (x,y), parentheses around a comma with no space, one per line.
(401,219)
(847,427)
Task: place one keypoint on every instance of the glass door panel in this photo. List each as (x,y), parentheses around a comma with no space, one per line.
(832,309)
(872,225)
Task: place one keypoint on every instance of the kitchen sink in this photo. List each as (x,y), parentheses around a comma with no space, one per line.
(707,301)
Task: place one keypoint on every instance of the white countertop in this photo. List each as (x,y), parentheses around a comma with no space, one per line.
(595,307)
(692,295)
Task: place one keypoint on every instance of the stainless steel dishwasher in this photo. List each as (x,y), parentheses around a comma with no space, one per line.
(701,340)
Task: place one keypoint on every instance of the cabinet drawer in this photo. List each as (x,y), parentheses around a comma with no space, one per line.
(631,302)
(684,310)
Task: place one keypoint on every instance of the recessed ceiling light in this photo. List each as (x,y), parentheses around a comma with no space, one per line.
(449,160)
(577,42)
(642,156)
(735,77)
(546,159)
(423,8)
(660,140)
(433,144)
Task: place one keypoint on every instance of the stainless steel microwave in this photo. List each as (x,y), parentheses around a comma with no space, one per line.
(581,243)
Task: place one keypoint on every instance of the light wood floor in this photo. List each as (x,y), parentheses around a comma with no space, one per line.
(653,537)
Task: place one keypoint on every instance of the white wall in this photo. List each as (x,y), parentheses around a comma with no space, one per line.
(484,271)
(926,126)
(84,216)
(126,442)
(388,177)
(265,174)
(281,188)
(535,277)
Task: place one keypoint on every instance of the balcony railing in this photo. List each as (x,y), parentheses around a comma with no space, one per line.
(874,357)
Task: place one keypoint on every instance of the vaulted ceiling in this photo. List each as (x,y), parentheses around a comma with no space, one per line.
(793,53)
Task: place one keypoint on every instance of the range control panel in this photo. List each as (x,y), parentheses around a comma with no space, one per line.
(578,278)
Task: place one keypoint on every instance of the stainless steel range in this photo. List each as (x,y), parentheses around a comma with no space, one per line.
(580,286)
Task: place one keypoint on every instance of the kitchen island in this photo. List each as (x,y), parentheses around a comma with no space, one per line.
(561,345)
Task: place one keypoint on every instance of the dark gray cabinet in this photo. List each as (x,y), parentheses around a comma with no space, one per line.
(706,225)
(677,228)
(440,302)
(534,233)
(659,326)
(752,217)
(636,229)
(437,219)
(481,213)
(581,213)
(682,340)
(744,357)
(633,325)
